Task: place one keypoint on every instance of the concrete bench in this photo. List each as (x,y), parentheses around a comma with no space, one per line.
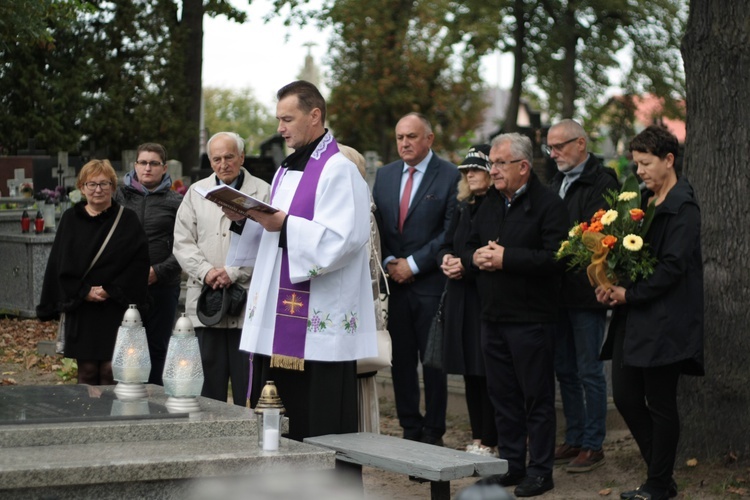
(435,464)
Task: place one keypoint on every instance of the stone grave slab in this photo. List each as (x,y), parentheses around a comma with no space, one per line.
(21,405)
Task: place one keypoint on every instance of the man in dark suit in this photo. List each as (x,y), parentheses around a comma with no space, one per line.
(415,198)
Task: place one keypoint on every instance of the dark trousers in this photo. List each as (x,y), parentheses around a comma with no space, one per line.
(481,411)
(409,318)
(519,361)
(320,400)
(159,323)
(647,400)
(222,361)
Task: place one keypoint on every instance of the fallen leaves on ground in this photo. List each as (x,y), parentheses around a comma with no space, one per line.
(18,345)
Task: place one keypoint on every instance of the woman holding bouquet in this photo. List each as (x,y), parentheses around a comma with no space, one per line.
(656,332)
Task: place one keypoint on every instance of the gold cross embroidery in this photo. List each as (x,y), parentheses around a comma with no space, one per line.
(292,303)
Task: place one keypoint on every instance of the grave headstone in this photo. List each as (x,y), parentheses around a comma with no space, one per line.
(128,160)
(372,162)
(65,174)
(174,169)
(14,184)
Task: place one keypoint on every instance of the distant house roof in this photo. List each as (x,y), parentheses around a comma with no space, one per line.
(494,114)
(649,111)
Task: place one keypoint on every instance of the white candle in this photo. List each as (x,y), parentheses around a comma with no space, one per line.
(270,439)
(130,374)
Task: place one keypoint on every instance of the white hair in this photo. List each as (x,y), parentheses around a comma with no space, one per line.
(240,142)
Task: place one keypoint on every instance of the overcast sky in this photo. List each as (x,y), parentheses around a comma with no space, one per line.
(267,56)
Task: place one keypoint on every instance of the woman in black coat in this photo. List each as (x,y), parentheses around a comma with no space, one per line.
(462,349)
(147,190)
(656,332)
(94,301)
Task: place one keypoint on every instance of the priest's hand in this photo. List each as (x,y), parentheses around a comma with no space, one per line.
(270,222)
(232,215)
(400,272)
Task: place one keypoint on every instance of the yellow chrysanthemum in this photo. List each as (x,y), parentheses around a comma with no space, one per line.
(563,246)
(574,231)
(632,242)
(627,196)
(609,217)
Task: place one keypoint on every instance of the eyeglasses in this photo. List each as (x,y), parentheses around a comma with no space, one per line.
(504,164)
(548,148)
(104,186)
(152,164)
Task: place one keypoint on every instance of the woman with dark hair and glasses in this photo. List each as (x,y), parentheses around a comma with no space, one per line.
(94,297)
(147,190)
(656,333)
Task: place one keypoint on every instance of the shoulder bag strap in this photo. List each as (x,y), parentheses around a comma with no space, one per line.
(106,240)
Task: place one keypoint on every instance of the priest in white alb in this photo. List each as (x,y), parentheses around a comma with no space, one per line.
(310,312)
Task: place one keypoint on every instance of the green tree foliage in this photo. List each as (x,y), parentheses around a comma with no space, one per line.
(104,76)
(42,83)
(391,57)
(238,111)
(574,44)
(135,92)
(25,22)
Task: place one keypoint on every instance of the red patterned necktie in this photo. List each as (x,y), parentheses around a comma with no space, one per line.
(404,206)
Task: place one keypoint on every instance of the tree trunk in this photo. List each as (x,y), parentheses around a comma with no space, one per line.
(519,54)
(192,49)
(716,51)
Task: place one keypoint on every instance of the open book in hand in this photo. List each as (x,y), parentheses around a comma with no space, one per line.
(227,196)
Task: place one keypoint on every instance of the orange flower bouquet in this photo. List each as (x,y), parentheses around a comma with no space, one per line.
(610,247)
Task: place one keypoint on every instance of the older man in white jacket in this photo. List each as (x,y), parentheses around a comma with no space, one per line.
(201,242)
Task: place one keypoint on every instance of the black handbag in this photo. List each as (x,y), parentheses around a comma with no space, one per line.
(433,356)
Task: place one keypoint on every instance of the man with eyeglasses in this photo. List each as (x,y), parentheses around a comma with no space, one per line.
(581,181)
(147,191)
(512,244)
(202,235)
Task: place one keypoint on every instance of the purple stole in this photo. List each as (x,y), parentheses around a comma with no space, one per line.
(290,330)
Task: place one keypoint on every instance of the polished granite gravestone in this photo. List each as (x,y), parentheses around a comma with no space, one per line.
(83,442)
(57,404)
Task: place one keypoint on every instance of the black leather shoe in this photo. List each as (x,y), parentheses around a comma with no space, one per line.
(645,495)
(631,494)
(532,486)
(436,441)
(507,479)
